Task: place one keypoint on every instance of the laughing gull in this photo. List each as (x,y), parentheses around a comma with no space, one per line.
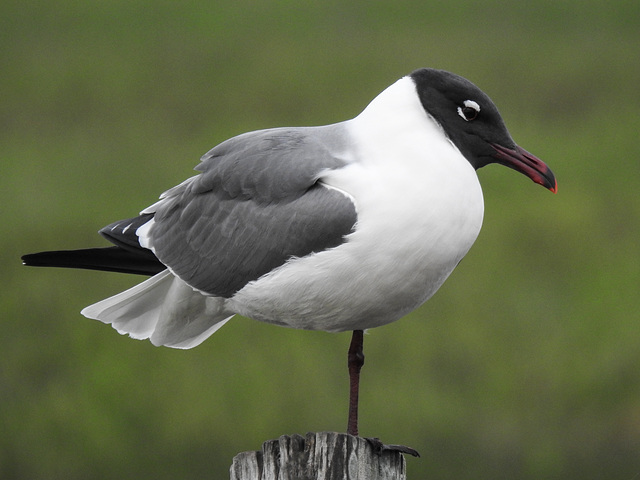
(340,227)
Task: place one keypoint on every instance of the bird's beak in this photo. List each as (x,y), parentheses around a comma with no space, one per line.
(526,163)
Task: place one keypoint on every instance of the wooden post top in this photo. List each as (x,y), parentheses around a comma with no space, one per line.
(321,456)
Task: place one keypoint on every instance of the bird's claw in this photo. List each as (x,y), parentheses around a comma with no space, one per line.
(379,447)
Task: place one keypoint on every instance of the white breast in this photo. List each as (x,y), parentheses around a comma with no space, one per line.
(420,209)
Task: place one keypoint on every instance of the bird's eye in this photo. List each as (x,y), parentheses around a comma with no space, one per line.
(469,110)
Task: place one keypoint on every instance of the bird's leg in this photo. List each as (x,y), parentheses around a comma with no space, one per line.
(356,360)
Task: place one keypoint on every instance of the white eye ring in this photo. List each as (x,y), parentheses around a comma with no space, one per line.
(464,112)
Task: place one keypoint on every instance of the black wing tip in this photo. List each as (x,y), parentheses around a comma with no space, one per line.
(108,259)
(35,259)
(123,232)
(126,256)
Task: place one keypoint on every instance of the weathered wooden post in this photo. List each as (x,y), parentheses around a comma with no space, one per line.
(322,456)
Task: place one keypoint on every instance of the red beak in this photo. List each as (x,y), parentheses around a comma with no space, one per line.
(526,163)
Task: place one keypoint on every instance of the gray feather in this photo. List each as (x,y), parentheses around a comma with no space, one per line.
(256,204)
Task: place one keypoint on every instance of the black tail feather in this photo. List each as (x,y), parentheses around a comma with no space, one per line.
(108,259)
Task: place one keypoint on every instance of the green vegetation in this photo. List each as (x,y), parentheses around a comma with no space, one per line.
(525,365)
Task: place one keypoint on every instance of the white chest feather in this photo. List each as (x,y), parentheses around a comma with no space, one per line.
(419,207)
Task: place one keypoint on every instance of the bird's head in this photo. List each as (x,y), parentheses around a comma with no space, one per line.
(473,124)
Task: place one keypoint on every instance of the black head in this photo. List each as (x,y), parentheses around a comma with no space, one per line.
(472,122)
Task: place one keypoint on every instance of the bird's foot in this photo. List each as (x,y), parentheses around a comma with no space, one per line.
(379,447)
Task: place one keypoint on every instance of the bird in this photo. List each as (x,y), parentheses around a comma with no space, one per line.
(340,227)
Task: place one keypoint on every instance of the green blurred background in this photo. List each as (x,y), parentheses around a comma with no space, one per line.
(525,365)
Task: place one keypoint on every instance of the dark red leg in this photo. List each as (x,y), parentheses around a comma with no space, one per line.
(356,360)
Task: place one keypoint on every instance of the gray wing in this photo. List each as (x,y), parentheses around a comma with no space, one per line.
(256,203)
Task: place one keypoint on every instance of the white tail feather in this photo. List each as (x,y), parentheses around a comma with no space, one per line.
(164,309)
